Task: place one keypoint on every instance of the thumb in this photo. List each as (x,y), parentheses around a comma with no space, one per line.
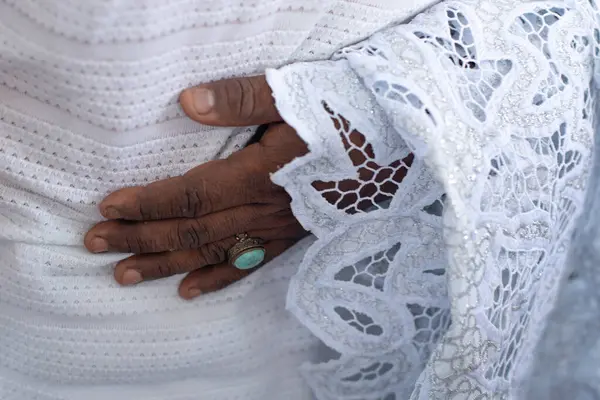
(231,102)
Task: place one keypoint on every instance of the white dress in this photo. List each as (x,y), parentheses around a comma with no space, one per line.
(88,104)
(436,286)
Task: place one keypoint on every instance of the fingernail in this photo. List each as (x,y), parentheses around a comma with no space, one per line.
(98,245)
(204,100)
(111,213)
(194,292)
(131,277)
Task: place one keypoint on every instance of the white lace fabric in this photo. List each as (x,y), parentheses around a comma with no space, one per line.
(88,105)
(437,284)
(470,136)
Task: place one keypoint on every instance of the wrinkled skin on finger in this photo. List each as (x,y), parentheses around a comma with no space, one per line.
(187,224)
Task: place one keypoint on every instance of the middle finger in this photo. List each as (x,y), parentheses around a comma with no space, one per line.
(182,233)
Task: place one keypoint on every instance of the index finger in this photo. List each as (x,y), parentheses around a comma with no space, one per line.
(215,186)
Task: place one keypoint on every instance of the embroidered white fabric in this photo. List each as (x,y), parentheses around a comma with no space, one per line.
(448,163)
(88,105)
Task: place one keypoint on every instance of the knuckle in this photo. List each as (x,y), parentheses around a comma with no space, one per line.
(195,199)
(234,96)
(143,207)
(164,269)
(148,205)
(169,266)
(240,97)
(135,244)
(189,234)
(137,239)
(213,253)
(248,105)
(144,212)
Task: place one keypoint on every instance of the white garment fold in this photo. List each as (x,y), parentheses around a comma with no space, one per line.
(437,284)
(431,275)
(88,104)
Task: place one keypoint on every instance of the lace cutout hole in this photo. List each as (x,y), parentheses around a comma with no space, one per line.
(373,186)
(359,321)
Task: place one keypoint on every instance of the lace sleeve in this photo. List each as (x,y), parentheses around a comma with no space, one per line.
(432,276)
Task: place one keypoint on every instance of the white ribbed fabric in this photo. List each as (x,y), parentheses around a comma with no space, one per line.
(88,104)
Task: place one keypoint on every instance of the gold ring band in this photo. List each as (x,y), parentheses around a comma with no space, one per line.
(247,253)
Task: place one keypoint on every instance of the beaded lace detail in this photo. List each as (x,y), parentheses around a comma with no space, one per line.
(448,163)
(88,104)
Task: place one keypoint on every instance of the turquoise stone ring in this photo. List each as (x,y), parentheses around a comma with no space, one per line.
(247,253)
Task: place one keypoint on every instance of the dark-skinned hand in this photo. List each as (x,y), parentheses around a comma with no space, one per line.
(186,224)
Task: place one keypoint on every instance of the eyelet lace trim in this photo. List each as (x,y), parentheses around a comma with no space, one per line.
(448,162)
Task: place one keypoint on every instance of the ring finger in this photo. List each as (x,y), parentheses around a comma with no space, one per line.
(160,265)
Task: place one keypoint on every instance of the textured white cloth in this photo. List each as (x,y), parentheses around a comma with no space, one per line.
(435,286)
(438,284)
(88,104)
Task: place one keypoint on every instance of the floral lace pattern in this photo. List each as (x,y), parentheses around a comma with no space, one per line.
(453,152)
